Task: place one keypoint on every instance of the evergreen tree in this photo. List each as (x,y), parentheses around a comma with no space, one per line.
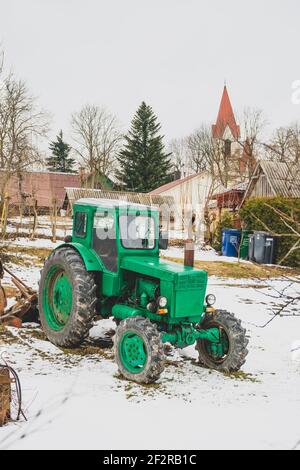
(144,165)
(60,160)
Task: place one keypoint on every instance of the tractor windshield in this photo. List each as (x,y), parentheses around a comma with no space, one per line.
(137,232)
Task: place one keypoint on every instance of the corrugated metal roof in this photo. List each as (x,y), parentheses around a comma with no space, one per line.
(74,194)
(110,203)
(284,178)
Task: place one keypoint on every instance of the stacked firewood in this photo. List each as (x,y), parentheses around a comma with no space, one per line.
(5,395)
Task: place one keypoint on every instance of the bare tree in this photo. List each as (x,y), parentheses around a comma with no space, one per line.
(21,125)
(253,123)
(178,150)
(284,145)
(208,154)
(97,139)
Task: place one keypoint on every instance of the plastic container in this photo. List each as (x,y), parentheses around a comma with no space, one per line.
(244,248)
(231,239)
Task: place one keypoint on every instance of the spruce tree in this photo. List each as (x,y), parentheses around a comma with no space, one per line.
(144,165)
(60,160)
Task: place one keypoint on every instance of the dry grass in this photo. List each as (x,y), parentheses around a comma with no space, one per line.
(24,255)
(241,270)
(6,337)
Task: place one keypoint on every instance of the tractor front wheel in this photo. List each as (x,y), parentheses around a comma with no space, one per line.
(139,351)
(67,298)
(230,353)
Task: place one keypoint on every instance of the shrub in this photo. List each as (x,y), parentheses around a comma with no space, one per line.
(260,214)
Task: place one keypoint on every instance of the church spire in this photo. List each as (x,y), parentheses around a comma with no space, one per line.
(225,119)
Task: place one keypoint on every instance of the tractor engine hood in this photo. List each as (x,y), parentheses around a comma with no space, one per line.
(165,271)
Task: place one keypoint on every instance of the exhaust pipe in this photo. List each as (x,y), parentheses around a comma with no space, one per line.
(189,253)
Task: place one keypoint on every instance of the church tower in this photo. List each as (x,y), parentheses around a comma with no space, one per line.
(226,127)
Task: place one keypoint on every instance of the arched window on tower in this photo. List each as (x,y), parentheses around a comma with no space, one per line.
(227,148)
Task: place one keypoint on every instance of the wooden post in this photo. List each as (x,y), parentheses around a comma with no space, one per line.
(5,396)
(54,219)
(189,253)
(35,218)
(4,215)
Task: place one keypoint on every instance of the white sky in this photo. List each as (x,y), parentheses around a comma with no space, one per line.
(175,54)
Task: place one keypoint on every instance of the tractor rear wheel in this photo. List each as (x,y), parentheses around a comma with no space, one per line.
(230,354)
(67,298)
(139,351)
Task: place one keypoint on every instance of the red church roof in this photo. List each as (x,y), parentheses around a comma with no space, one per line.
(225,118)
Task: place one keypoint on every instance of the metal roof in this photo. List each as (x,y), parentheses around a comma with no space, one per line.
(75,194)
(173,184)
(284,178)
(110,203)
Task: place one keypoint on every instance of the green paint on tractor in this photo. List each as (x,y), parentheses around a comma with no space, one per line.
(111,267)
(57,298)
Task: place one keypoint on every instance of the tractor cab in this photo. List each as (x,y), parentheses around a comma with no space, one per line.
(113,229)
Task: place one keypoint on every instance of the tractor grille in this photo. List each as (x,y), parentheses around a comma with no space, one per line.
(190,282)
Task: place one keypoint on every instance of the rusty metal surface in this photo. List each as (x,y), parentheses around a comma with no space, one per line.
(189,253)
(25,301)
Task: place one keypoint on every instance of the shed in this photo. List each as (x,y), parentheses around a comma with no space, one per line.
(190,196)
(42,186)
(165,204)
(274,179)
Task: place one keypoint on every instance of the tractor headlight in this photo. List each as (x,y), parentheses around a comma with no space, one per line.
(210,299)
(162,302)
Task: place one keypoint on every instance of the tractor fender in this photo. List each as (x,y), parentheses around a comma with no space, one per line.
(90,259)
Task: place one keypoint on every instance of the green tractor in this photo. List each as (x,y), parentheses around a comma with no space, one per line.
(111,267)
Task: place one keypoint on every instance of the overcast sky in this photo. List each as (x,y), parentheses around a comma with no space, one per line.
(174,54)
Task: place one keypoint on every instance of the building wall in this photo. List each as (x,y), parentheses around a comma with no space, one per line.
(190,198)
(42,186)
(261,188)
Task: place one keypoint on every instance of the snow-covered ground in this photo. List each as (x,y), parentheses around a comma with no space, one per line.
(79,401)
(208,254)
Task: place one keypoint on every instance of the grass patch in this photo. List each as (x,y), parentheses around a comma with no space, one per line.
(24,256)
(6,337)
(89,351)
(240,375)
(241,270)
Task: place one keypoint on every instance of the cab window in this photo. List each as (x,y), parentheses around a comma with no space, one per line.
(80,224)
(104,239)
(137,231)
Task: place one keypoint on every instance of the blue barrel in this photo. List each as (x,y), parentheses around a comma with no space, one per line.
(231,240)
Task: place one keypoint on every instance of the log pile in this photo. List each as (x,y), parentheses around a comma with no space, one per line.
(5,396)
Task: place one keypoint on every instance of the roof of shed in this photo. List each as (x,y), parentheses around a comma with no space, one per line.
(173,184)
(110,203)
(283,178)
(75,194)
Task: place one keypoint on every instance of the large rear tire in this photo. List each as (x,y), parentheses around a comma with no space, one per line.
(139,351)
(67,298)
(233,343)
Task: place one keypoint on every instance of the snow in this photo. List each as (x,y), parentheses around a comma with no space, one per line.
(35,243)
(80,402)
(200,255)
